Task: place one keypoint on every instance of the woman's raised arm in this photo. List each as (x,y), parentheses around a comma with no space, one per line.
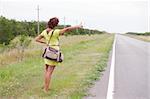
(67,29)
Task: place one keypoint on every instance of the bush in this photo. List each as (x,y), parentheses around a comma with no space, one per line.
(20,43)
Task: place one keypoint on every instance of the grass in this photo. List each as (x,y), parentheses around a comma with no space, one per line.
(85,59)
(145,38)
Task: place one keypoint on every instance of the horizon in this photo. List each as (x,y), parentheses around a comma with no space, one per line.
(69,24)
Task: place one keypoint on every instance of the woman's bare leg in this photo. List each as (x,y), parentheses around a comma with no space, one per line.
(48,73)
(45,72)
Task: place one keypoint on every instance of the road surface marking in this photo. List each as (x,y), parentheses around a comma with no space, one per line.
(110,90)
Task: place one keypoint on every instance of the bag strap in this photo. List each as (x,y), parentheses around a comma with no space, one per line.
(50,37)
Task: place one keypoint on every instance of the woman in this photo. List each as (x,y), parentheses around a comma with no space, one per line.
(54,43)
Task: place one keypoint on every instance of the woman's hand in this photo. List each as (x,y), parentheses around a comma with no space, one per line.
(80,25)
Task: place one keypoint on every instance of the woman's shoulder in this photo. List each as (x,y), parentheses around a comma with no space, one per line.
(56,32)
(43,32)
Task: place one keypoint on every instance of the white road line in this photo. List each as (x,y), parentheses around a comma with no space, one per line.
(110,90)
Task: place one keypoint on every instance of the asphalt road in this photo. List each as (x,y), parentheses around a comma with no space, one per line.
(132,70)
(131,74)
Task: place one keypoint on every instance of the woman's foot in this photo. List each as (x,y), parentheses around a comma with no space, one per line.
(43,88)
(45,91)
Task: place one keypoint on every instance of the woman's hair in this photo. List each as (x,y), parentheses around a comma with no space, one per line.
(52,22)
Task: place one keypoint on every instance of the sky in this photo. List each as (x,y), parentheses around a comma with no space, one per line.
(117,16)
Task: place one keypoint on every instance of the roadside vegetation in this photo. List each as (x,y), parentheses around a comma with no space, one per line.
(10,28)
(140,36)
(86,57)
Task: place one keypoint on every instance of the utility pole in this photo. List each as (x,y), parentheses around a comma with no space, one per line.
(148,15)
(38,26)
(0,8)
(64,21)
(89,31)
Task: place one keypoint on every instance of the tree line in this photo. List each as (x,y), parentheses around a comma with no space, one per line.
(135,33)
(10,28)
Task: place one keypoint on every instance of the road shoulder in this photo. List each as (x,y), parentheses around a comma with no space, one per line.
(99,89)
